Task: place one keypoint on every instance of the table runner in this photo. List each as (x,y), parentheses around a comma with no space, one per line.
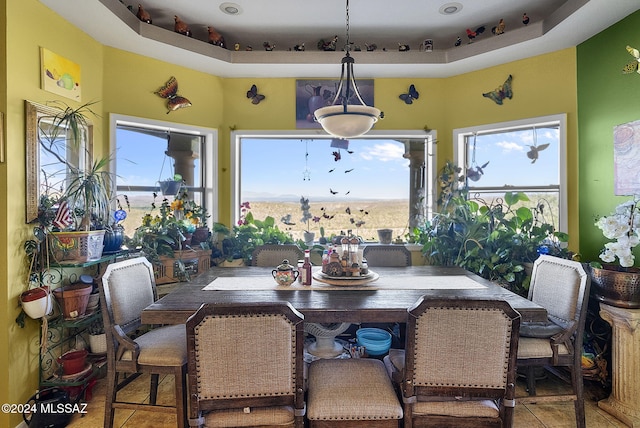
(385,282)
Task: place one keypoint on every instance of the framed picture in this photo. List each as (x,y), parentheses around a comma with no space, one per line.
(60,75)
(313,94)
(626,157)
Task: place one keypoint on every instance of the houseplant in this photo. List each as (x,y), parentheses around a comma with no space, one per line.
(84,202)
(618,284)
(239,241)
(493,239)
(305,207)
(171,186)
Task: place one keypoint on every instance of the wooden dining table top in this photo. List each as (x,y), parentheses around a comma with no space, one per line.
(386,299)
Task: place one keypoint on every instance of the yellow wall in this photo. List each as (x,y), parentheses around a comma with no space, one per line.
(48,30)
(124,83)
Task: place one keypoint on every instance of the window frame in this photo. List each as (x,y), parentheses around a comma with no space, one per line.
(460,152)
(235,158)
(209,160)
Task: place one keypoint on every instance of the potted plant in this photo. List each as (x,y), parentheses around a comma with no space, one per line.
(171,186)
(162,236)
(618,284)
(490,238)
(36,301)
(305,207)
(239,242)
(84,203)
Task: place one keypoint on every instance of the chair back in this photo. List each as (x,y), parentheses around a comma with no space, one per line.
(562,287)
(128,287)
(271,255)
(460,350)
(387,255)
(242,356)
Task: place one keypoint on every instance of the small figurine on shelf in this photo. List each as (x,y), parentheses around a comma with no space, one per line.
(268,46)
(181,27)
(328,45)
(143,15)
(216,38)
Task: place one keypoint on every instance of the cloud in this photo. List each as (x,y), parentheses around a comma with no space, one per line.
(508,146)
(384,152)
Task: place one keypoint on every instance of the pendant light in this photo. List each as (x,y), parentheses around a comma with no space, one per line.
(347,120)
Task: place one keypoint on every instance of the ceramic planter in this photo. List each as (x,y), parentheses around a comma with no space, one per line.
(615,287)
(37,302)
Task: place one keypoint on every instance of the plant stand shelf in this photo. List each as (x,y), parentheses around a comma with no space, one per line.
(61,337)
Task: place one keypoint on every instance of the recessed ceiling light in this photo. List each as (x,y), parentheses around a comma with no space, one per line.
(450,8)
(231,8)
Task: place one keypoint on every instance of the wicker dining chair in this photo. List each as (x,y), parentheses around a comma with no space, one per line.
(271,255)
(387,255)
(562,287)
(459,368)
(127,288)
(246,366)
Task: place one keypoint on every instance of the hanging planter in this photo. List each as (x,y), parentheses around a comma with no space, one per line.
(170,187)
(37,302)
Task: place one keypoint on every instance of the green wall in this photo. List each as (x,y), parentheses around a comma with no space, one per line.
(606,98)
(124,84)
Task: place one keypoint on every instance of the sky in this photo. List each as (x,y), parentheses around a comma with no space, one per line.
(369,169)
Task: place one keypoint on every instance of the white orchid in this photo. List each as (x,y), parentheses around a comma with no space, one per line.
(624,226)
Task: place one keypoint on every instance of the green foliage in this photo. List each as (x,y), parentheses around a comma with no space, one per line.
(490,238)
(242,239)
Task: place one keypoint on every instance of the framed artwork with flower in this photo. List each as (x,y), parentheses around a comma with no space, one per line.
(626,157)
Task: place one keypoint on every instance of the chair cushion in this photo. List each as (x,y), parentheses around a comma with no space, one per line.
(529,347)
(480,408)
(542,330)
(263,416)
(352,389)
(163,346)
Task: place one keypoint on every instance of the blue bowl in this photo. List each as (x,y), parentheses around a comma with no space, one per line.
(375,340)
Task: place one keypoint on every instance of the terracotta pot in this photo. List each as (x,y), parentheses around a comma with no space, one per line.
(73,361)
(37,302)
(73,299)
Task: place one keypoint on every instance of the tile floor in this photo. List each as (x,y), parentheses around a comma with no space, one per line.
(558,415)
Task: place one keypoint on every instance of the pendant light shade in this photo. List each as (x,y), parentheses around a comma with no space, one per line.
(348,121)
(345,120)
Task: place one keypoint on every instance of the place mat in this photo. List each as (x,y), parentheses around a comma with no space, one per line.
(391,282)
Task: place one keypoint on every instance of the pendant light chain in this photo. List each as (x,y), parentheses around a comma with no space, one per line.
(347,48)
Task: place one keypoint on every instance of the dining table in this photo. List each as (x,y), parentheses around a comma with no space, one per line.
(383,295)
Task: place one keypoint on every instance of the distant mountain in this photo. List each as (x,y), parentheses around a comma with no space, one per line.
(272,197)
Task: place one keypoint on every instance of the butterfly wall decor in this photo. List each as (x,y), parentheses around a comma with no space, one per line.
(170,92)
(254,96)
(501,92)
(632,66)
(410,96)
